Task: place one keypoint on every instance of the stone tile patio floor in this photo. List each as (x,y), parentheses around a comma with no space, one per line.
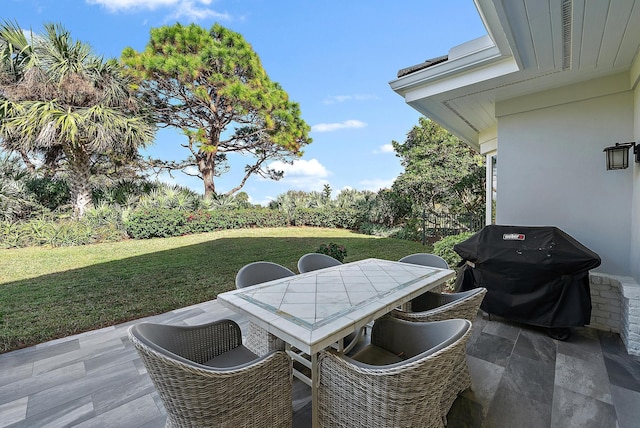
(522,378)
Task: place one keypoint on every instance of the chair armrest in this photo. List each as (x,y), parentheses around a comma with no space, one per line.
(408,339)
(462,305)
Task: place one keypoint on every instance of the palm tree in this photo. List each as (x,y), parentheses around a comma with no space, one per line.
(68,107)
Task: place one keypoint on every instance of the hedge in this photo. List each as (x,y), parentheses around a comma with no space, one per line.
(162,223)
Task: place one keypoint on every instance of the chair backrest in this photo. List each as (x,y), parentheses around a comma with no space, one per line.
(425,259)
(160,338)
(314,261)
(179,343)
(257,272)
(439,306)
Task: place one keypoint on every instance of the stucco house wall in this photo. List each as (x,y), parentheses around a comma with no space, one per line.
(551,171)
(551,166)
(635,210)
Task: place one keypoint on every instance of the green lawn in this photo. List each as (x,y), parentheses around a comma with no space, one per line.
(47,293)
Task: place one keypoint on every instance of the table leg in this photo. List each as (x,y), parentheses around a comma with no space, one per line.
(299,357)
(314,391)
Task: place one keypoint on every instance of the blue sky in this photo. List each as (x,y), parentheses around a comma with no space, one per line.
(335,58)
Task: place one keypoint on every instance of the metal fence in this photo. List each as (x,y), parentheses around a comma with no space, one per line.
(437,226)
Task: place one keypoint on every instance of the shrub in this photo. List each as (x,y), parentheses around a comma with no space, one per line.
(444,248)
(348,218)
(49,192)
(262,217)
(11,234)
(315,217)
(343,218)
(56,233)
(409,232)
(105,214)
(219,219)
(338,252)
(376,229)
(155,223)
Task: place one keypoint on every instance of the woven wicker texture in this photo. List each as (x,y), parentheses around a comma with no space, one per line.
(448,306)
(408,395)
(257,394)
(260,341)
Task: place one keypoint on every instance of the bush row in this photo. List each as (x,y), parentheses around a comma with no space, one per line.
(106,225)
(58,233)
(341,218)
(162,223)
(102,225)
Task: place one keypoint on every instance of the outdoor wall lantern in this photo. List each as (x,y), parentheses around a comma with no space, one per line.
(618,155)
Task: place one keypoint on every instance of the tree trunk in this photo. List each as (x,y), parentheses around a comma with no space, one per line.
(79,174)
(206,166)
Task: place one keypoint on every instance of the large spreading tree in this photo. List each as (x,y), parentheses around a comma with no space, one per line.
(441,172)
(212,86)
(67,111)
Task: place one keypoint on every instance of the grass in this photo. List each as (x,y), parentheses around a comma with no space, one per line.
(47,293)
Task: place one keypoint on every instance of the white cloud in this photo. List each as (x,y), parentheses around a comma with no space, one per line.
(307,175)
(116,5)
(385,148)
(301,168)
(264,202)
(375,184)
(333,99)
(347,124)
(192,170)
(306,183)
(189,9)
(166,178)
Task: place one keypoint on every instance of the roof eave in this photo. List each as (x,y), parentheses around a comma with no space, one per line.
(426,90)
(447,69)
(485,51)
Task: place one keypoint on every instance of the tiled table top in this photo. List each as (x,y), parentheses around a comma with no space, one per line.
(314,309)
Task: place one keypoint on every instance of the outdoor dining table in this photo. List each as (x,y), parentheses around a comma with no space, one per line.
(315,310)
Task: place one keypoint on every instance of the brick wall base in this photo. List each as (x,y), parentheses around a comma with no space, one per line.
(615,304)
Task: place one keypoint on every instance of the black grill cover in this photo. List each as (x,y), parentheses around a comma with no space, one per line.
(533,275)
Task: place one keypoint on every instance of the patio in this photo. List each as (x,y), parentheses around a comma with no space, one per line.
(521,378)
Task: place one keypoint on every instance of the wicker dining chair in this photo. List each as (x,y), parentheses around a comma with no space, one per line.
(258,340)
(396,381)
(427,259)
(257,272)
(314,261)
(433,306)
(206,378)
